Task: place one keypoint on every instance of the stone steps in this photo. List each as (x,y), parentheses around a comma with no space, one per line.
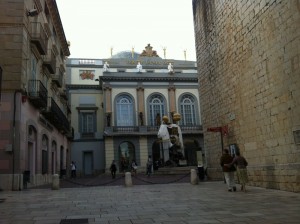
(174,170)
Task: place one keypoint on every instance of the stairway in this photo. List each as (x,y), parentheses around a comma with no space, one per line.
(174,170)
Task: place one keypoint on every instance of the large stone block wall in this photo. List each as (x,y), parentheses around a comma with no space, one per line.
(249,79)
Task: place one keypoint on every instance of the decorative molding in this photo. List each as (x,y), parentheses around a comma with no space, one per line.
(143,79)
(87,74)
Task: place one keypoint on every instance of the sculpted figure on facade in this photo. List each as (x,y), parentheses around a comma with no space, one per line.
(170,68)
(106,67)
(139,67)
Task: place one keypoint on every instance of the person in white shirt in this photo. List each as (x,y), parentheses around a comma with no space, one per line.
(73,170)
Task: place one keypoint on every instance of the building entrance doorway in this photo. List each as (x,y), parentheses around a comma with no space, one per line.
(126,155)
(156,151)
(88,163)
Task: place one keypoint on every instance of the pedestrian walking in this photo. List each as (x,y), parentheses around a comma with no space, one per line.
(241,165)
(149,166)
(134,167)
(73,169)
(113,169)
(228,171)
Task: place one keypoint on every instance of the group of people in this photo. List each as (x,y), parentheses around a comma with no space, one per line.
(123,167)
(139,67)
(228,163)
(231,164)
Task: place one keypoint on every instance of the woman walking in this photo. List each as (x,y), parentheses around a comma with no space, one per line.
(241,164)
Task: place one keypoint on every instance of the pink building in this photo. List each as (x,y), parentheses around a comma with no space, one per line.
(35,129)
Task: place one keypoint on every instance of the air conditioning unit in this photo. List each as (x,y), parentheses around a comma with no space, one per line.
(8,148)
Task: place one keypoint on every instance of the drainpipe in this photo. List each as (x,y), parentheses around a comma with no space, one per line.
(14,137)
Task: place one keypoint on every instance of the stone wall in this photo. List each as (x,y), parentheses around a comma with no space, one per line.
(249,76)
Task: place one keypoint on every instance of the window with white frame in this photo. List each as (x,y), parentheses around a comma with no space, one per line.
(124,109)
(156,107)
(188,110)
(88,121)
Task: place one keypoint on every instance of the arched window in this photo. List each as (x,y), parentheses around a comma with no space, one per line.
(188,110)
(124,109)
(156,107)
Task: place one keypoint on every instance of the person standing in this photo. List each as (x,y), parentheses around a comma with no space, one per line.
(241,164)
(123,165)
(134,167)
(73,169)
(113,169)
(149,165)
(228,171)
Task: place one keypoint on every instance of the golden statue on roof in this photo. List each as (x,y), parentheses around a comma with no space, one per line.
(148,52)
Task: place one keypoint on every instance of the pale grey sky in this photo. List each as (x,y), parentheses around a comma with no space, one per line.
(94,26)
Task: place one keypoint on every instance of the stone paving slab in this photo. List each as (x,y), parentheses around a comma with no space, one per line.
(207,202)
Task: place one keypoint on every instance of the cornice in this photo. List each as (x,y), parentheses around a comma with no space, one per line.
(149,79)
(79,86)
(58,26)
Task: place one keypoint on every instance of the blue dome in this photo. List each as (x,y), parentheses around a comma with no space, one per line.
(126,55)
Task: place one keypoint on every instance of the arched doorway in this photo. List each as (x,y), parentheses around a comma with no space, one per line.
(156,151)
(191,147)
(126,155)
(31,164)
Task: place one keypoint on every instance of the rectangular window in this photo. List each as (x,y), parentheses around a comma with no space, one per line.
(87,120)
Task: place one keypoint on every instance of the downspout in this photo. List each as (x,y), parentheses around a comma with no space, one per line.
(14,137)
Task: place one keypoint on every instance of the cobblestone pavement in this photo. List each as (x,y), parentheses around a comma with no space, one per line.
(92,200)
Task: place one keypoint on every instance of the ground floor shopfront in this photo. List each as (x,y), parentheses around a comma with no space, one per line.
(139,148)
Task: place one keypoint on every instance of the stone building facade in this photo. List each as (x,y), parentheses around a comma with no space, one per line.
(122,104)
(35,130)
(249,65)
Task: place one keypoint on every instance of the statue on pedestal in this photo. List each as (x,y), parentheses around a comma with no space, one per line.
(106,67)
(172,142)
(170,68)
(139,67)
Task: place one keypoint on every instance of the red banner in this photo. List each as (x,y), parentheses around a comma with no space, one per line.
(214,129)
(223,130)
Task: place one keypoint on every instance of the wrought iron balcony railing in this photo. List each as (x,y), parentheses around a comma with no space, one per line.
(50,62)
(37,93)
(58,77)
(39,37)
(55,115)
(148,130)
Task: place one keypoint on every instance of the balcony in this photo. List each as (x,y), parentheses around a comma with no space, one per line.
(57,78)
(50,62)
(39,37)
(70,134)
(37,93)
(63,94)
(55,116)
(148,130)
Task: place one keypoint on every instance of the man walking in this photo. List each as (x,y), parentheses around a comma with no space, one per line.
(228,171)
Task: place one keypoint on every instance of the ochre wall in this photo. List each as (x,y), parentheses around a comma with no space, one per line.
(248,64)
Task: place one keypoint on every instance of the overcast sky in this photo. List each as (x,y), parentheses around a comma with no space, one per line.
(94,26)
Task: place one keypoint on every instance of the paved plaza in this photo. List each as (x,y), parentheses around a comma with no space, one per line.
(178,202)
